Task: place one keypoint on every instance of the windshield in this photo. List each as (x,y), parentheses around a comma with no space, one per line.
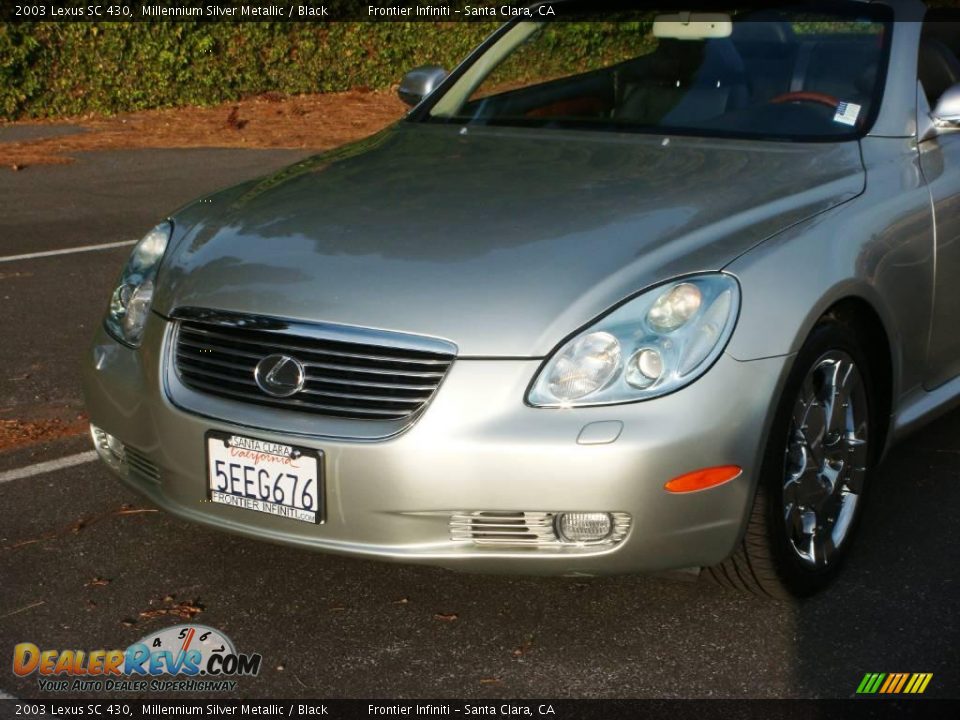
(784,73)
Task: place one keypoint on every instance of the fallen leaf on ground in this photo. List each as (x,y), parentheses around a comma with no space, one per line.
(183,610)
(24,542)
(446,617)
(523,648)
(489,681)
(97,582)
(24,609)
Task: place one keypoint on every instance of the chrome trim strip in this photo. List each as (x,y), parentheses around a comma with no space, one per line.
(219,338)
(319,330)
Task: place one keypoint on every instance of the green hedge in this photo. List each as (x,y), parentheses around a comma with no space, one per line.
(53,69)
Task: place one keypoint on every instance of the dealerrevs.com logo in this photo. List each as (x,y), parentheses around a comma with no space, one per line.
(187,658)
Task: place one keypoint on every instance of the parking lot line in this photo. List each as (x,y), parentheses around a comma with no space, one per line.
(66,251)
(49,466)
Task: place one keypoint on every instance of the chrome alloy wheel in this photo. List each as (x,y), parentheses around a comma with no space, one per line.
(826,458)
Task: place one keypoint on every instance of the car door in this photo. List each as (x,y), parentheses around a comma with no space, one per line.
(939,69)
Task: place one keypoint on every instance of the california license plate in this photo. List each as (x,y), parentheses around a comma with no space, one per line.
(265,477)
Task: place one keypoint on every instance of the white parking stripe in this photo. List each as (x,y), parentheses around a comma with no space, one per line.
(66,251)
(50,466)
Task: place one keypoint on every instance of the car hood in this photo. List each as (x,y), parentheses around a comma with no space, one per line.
(503,241)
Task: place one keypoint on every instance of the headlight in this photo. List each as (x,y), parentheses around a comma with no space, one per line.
(650,346)
(130,302)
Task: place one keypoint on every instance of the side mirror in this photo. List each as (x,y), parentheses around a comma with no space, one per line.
(420,82)
(946,115)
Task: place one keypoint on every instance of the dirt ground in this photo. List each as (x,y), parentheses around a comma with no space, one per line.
(20,433)
(264,121)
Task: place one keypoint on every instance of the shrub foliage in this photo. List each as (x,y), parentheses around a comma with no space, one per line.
(57,69)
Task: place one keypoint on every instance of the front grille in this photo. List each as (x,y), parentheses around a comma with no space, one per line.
(348,372)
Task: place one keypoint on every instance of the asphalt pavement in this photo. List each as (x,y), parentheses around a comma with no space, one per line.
(84,563)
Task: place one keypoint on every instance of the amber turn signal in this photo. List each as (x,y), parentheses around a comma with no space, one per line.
(703,479)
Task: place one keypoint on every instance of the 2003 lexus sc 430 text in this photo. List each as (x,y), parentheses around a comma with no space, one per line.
(661,302)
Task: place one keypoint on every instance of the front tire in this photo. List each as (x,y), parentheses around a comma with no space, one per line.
(815,471)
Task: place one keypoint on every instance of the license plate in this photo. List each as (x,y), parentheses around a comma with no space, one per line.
(265,477)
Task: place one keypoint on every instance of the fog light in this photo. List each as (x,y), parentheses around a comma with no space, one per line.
(110,449)
(581,527)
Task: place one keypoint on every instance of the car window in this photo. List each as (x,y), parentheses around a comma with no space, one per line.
(778,72)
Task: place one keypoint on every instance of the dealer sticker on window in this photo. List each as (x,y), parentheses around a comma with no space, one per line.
(847,113)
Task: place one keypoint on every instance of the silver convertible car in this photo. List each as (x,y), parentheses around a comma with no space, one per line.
(626,291)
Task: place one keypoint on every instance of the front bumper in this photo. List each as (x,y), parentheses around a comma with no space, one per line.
(477,447)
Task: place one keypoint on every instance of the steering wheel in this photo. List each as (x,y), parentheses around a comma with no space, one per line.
(807,96)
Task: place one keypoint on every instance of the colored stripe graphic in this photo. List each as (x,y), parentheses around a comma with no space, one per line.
(894,683)
(891,679)
(903,681)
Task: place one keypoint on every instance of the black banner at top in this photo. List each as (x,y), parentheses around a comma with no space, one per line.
(275,11)
(100,11)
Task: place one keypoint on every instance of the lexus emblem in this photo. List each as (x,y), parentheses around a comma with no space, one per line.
(279,375)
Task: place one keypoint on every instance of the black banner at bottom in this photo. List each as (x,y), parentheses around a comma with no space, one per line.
(514,709)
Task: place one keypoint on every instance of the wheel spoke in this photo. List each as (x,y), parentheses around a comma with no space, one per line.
(792,516)
(823,539)
(850,381)
(829,508)
(854,479)
(801,408)
(830,475)
(810,544)
(802,485)
(807,423)
(835,392)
